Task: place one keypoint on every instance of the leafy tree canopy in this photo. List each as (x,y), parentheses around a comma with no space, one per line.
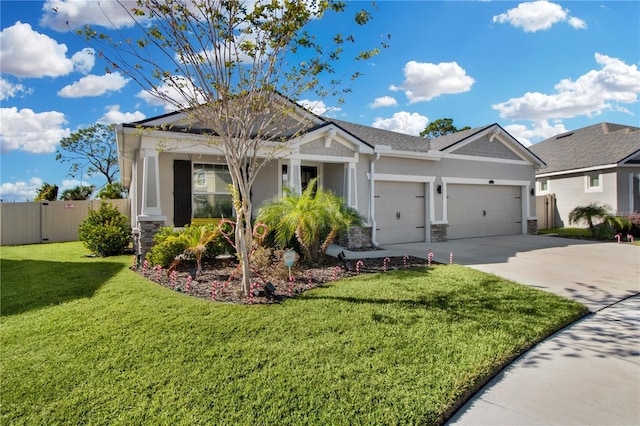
(111,191)
(92,151)
(440,127)
(47,192)
(80,192)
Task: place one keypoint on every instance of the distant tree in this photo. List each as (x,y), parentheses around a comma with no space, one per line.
(80,192)
(111,191)
(440,127)
(47,192)
(92,151)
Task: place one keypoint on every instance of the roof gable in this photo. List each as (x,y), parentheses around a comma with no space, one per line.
(597,145)
(490,141)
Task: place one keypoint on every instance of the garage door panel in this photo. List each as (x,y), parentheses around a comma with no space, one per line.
(483,210)
(400,212)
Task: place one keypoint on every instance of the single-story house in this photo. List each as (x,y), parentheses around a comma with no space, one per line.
(473,183)
(594,164)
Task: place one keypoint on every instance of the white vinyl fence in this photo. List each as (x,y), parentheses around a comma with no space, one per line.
(47,221)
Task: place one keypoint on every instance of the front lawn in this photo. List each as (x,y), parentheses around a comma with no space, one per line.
(87,341)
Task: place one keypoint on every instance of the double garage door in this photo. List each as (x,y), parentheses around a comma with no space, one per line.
(472,211)
(483,210)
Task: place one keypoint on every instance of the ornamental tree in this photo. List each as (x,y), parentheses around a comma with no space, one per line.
(234,67)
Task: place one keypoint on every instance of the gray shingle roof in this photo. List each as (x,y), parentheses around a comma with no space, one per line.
(597,145)
(373,136)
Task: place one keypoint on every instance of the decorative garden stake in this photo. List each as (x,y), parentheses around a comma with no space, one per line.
(134,264)
(385,264)
(618,237)
(451,258)
(630,238)
(174,276)
(335,273)
(145,265)
(359,264)
(188,287)
(214,290)
(289,258)
(158,269)
(310,284)
(291,280)
(404,261)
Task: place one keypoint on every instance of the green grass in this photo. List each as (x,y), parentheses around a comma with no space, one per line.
(87,341)
(568,232)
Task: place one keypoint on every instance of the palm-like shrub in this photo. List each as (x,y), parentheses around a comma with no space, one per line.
(314,218)
(195,243)
(602,212)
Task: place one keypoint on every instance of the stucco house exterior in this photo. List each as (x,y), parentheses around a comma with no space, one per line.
(473,183)
(594,164)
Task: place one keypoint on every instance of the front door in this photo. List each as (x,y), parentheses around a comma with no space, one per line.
(307,173)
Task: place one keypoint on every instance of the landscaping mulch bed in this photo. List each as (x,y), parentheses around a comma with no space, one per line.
(214,283)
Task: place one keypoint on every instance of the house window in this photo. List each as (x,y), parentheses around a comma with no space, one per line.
(211,198)
(593,182)
(544,185)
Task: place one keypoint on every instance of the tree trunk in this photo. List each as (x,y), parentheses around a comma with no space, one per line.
(243,248)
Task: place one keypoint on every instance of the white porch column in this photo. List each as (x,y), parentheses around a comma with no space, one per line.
(351,186)
(295,177)
(151,184)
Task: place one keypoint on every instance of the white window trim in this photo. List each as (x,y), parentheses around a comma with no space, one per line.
(587,181)
(194,192)
(544,191)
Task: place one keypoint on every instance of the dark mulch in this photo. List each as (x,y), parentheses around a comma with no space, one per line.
(214,283)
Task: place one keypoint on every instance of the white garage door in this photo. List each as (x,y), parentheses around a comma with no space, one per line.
(483,210)
(400,212)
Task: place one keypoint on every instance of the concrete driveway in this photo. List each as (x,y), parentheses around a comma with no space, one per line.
(594,273)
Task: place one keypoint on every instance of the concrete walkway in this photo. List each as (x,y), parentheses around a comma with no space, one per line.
(586,374)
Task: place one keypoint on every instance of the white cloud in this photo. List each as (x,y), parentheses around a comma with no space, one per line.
(538,15)
(539,130)
(25,130)
(61,15)
(84,60)
(20,191)
(403,122)
(577,23)
(425,81)
(178,89)
(592,93)
(9,89)
(115,116)
(27,53)
(94,85)
(317,107)
(385,101)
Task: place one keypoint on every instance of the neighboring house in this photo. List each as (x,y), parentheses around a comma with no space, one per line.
(477,182)
(594,164)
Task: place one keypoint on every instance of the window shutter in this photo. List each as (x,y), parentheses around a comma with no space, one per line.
(181,192)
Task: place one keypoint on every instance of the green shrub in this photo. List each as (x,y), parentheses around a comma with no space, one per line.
(106,231)
(167,244)
(165,249)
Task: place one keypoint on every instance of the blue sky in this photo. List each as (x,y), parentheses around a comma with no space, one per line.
(537,68)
